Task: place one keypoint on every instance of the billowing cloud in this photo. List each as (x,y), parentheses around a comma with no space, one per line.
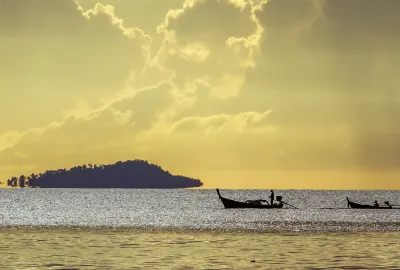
(298,91)
(70,141)
(213,41)
(54,56)
(225,140)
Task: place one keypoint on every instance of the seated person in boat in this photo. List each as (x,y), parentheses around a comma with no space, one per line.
(388,204)
(376,204)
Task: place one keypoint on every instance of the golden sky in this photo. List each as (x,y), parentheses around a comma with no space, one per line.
(239,93)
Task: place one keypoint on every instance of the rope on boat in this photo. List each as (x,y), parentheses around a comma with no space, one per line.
(289,205)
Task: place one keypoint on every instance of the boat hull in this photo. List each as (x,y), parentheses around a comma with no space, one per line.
(354,205)
(228,203)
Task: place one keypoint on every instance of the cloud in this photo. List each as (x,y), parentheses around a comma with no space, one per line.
(113,135)
(213,141)
(146,105)
(215,40)
(242,122)
(337,69)
(54,54)
(9,139)
(71,138)
(143,14)
(245,141)
(367,41)
(229,85)
(288,19)
(378,17)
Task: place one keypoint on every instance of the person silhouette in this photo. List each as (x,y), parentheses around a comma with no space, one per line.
(376,204)
(272,196)
(388,204)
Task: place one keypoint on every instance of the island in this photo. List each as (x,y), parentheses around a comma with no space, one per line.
(128,174)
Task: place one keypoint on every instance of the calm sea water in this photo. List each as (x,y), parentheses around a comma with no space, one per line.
(194,209)
(54,249)
(190,229)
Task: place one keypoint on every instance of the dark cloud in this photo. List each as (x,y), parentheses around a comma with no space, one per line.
(372,17)
(366,32)
(287,14)
(339,69)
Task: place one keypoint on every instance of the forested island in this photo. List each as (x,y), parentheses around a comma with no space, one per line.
(128,174)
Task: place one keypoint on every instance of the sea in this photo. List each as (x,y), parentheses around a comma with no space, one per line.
(190,229)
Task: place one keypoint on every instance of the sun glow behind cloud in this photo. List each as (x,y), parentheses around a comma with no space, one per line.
(238,93)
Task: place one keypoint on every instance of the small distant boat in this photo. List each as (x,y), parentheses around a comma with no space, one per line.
(351,204)
(228,203)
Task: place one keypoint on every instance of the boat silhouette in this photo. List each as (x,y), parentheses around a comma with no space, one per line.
(351,204)
(228,203)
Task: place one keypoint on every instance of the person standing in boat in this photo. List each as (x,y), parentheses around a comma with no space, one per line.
(272,197)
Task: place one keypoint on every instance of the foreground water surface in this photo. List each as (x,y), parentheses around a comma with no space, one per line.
(130,249)
(195,209)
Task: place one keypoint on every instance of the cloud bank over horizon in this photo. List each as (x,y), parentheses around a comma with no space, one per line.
(238,93)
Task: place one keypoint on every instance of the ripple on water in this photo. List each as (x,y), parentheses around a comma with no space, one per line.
(193,210)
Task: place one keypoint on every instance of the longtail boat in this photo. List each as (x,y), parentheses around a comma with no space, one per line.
(228,203)
(351,204)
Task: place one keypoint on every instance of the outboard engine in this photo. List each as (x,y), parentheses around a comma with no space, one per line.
(279,200)
(388,204)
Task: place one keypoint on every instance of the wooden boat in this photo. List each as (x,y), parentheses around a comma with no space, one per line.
(351,204)
(228,203)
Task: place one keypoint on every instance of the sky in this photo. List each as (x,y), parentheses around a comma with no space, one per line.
(289,94)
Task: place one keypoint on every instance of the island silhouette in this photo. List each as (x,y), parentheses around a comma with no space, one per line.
(128,174)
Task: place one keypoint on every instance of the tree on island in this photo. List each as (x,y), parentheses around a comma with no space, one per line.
(129,174)
(22,180)
(12,182)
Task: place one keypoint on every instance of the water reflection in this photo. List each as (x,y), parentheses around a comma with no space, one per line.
(200,209)
(133,249)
